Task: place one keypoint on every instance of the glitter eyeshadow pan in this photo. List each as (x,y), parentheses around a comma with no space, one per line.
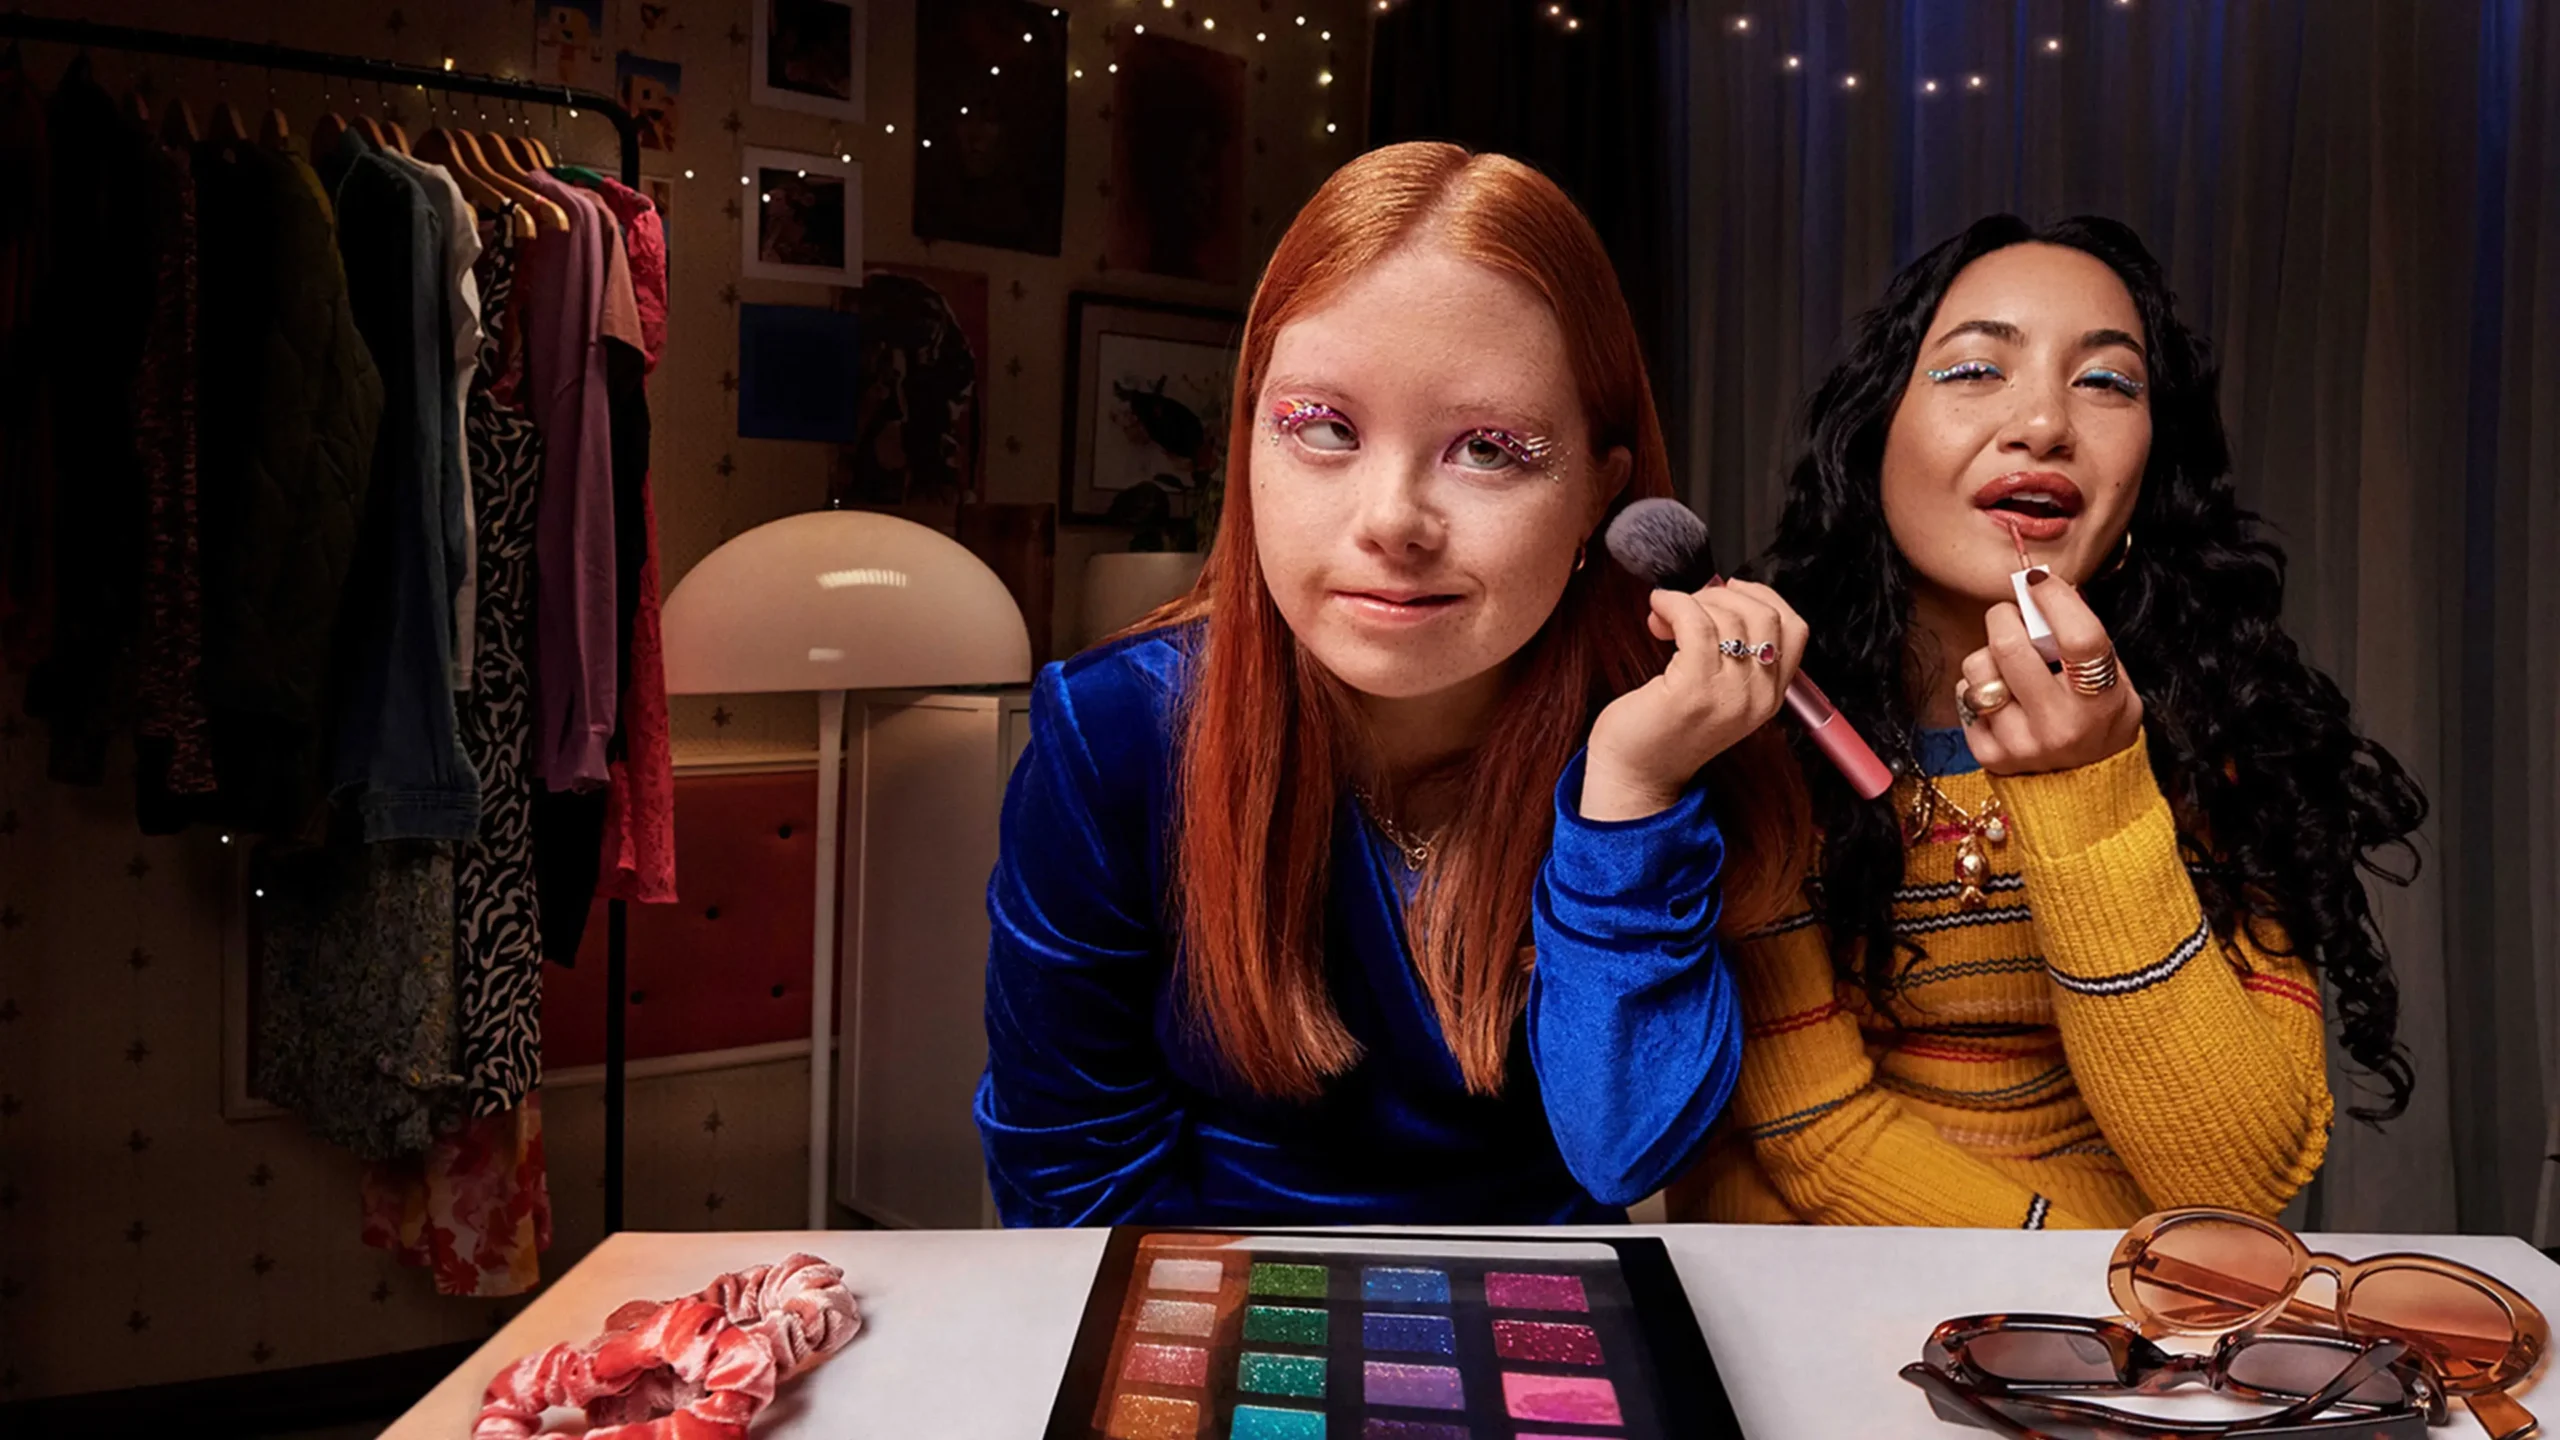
(1199,1277)
(1383,1429)
(1269,1422)
(1301,1376)
(1167,1365)
(1298,1282)
(1423,1387)
(1153,1417)
(1563,1399)
(1546,1343)
(1424,1334)
(1511,1291)
(1285,1325)
(1178,1317)
(1396,1285)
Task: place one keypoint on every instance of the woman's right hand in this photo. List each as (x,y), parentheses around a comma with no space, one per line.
(1650,742)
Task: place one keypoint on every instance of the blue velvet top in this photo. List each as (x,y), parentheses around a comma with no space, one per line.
(1102,1104)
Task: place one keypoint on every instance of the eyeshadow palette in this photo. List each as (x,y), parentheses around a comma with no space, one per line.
(1304,1335)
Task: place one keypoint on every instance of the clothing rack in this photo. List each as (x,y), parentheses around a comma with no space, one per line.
(249,55)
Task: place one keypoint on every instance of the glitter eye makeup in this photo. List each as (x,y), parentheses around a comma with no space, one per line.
(1969,370)
(2118,381)
(1228,1335)
(1532,451)
(1289,416)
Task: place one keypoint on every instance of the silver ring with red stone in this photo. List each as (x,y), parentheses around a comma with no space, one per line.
(1766,652)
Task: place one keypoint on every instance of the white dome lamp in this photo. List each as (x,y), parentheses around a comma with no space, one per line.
(831,601)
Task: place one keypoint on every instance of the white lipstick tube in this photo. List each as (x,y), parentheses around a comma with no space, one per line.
(2038,632)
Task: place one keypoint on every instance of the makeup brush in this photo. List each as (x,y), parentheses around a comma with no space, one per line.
(1663,543)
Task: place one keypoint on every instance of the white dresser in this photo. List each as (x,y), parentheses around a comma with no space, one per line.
(924,787)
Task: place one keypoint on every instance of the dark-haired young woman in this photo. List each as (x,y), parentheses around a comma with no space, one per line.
(2072,968)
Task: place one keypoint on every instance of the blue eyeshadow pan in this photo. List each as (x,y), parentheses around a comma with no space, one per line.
(1396,1285)
(1418,1334)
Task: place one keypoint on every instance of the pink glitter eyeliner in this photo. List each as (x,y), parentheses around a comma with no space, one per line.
(1288,417)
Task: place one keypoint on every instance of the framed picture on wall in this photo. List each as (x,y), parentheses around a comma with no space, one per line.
(991,148)
(1177,161)
(920,421)
(802,219)
(809,55)
(1146,404)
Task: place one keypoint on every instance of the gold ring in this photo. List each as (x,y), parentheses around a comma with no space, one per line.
(2092,677)
(1990,695)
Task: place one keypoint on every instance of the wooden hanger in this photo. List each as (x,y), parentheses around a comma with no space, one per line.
(543,207)
(274,130)
(541,152)
(138,105)
(399,138)
(502,151)
(436,147)
(178,123)
(325,132)
(224,124)
(366,127)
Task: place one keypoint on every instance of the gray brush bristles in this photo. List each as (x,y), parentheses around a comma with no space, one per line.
(1663,543)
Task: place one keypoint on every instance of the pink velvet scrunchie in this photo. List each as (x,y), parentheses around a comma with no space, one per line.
(699,1368)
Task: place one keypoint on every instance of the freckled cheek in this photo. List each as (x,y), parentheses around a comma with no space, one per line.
(1520,552)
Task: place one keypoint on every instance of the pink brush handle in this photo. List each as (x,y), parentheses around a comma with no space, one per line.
(1837,738)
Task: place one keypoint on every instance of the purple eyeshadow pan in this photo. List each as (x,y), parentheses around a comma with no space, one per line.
(1546,1343)
(1421,1387)
(1512,1291)
(1378,1429)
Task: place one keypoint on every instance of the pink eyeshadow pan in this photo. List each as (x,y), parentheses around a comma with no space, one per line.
(1562,1399)
(1504,1291)
(1167,1365)
(1546,1343)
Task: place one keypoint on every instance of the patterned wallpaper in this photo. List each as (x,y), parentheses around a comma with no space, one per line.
(147,1238)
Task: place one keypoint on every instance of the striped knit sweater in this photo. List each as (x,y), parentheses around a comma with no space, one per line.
(2080,1051)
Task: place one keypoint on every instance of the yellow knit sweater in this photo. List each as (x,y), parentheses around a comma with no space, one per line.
(2079,1052)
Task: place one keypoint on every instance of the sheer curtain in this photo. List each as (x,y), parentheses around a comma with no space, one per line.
(2355,200)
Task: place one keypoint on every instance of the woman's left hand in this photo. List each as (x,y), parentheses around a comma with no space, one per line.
(2046,724)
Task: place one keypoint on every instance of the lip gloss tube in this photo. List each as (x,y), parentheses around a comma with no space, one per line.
(2039,634)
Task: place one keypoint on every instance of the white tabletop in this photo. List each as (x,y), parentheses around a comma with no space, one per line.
(966,1333)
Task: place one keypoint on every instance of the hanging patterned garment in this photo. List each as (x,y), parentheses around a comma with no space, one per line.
(500,917)
(475,1208)
(355,985)
(639,834)
(174,746)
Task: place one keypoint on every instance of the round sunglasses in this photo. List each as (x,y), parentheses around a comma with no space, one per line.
(2203,1270)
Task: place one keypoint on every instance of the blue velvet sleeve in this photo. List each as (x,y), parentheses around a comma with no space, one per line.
(1634,1026)
(1078,1121)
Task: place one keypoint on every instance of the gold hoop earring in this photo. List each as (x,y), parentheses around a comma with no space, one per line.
(1581,553)
(2123,553)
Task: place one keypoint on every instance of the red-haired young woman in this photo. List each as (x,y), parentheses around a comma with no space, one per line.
(1307,908)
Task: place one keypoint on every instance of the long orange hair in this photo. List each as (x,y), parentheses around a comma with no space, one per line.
(1268,737)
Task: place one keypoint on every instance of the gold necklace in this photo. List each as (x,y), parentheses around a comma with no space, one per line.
(1989,825)
(1416,849)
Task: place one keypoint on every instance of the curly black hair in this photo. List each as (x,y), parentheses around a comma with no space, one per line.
(2278,799)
